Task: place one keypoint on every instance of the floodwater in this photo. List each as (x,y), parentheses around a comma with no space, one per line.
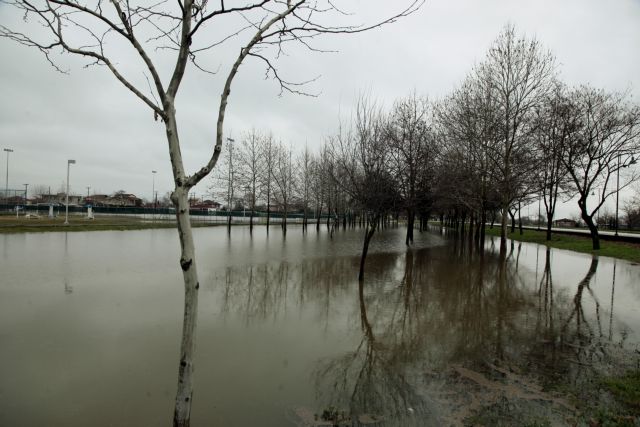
(90,326)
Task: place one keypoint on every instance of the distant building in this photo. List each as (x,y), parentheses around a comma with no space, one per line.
(208,206)
(96,199)
(118,199)
(59,199)
(565,223)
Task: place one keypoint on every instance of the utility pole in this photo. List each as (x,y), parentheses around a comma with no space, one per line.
(66,208)
(6,183)
(632,162)
(230,187)
(538,212)
(153,187)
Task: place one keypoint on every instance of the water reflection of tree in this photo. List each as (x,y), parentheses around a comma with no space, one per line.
(371,379)
(583,329)
(269,291)
(424,313)
(570,343)
(586,342)
(256,292)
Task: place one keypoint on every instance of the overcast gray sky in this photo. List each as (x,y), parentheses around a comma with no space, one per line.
(47,117)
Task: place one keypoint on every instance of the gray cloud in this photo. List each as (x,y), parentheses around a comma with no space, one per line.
(47,117)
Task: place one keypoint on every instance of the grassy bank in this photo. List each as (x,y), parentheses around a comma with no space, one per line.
(11,224)
(622,250)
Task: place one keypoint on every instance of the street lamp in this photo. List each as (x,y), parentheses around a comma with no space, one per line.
(632,162)
(153,184)
(539,211)
(26,186)
(593,193)
(153,191)
(6,185)
(66,209)
(230,187)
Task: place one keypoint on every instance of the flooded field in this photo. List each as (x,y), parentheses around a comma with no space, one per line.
(438,334)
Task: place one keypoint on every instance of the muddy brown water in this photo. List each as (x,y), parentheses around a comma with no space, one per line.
(90,325)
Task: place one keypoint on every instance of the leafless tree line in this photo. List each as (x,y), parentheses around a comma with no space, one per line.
(377,166)
(513,133)
(510,134)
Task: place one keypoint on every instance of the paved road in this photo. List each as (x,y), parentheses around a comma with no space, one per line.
(604,235)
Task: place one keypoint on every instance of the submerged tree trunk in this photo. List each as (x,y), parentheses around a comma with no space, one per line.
(410,222)
(513,220)
(503,230)
(284,220)
(304,219)
(593,229)
(318,218)
(371,229)
(268,211)
(520,219)
(549,223)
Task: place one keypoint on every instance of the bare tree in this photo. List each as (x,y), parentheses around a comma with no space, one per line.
(96,31)
(224,181)
(250,165)
(555,123)
(361,157)
(320,181)
(413,152)
(231,182)
(605,143)
(268,152)
(632,210)
(283,175)
(39,190)
(467,126)
(303,181)
(518,73)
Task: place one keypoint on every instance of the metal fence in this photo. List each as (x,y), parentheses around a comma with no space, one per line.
(10,196)
(162,213)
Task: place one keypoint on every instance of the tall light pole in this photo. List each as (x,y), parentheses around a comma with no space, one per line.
(230,188)
(6,183)
(66,208)
(632,162)
(539,211)
(88,188)
(26,186)
(153,188)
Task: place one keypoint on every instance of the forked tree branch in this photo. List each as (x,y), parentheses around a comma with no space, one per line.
(204,171)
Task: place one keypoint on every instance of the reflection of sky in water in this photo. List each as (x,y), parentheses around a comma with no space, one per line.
(90,322)
(568,268)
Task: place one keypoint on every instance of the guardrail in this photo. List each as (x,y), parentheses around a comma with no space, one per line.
(159,212)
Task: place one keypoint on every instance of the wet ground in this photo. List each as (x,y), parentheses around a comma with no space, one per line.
(439,334)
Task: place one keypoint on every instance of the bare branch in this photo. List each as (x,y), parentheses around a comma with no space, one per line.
(197,177)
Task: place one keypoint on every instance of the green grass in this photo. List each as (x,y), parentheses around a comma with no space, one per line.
(626,409)
(11,224)
(622,250)
(626,389)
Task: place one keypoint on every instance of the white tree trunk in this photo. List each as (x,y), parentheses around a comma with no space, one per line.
(180,199)
(184,394)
